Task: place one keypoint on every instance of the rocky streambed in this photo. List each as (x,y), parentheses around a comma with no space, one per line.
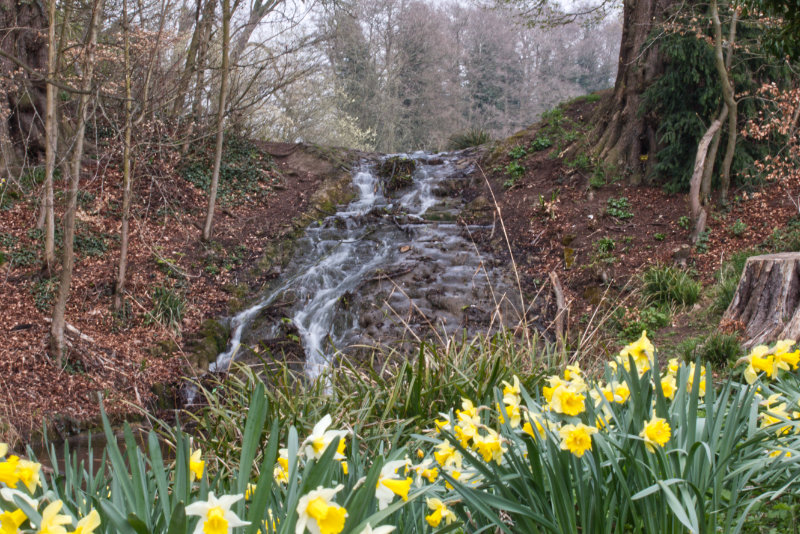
(392,267)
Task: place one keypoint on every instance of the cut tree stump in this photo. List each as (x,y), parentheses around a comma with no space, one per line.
(766,302)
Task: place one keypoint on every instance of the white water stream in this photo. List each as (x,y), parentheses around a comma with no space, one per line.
(337,255)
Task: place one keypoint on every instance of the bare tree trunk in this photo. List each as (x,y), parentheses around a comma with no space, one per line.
(191,64)
(708,172)
(223,90)
(202,51)
(57,344)
(727,93)
(119,289)
(51,148)
(259,10)
(701,162)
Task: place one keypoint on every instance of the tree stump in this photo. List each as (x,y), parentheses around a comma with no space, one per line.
(766,301)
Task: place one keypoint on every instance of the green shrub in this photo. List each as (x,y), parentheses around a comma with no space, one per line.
(168,308)
(541,142)
(659,236)
(582,162)
(474,137)
(90,243)
(701,245)
(669,285)
(619,208)
(44,291)
(517,152)
(605,244)
(720,349)
(738,228)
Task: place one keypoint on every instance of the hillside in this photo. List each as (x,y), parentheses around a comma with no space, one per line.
(561,213)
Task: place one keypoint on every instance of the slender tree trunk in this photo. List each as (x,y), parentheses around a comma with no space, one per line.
(701,163)
(119,289)
(51,148)
(708,172)
(191,64)
(57,344)
(200,75)
(727,94)
(223,90)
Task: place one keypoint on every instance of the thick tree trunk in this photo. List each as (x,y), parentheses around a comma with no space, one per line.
(57,345)
(767,301)
(22,136)
(223,94)
(623,136)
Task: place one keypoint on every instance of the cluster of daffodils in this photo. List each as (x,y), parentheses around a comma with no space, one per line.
(771,361)
(20,494)
(572,410)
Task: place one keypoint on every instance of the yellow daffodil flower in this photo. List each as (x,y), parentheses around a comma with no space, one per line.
(621,392)
(533,425)
(11,521)
(567,401)
(52,521)
(216,516)
(28,474)
(88,524)
(317,512)
(577,439)
(554,382)
(440,512)
(3,450)
(512,389)
(321,437)
(572,372)
(490,446)
(668,386)
(390,484)
(656,432)
(641,351)
(8,472)
(281,471)
(196,465)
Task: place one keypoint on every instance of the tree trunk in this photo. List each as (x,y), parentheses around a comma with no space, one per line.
(766,303)
(22,104)
(623,136)
(51,148)
(57,344)
(119,289)
(191,63)
(703,161)
(727,93)
(223,90)
(200,77)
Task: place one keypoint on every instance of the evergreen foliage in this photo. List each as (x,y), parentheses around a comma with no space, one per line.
(688,97)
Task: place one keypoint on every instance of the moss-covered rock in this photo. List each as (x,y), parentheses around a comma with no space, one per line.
(397,172)
(206,344)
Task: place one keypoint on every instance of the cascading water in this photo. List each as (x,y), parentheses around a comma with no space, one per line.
(351,256)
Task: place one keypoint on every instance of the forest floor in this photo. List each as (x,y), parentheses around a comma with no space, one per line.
(560,214)
(175,281)
(563,214)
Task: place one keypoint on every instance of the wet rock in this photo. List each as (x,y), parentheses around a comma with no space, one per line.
(205,344)
(397,173)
